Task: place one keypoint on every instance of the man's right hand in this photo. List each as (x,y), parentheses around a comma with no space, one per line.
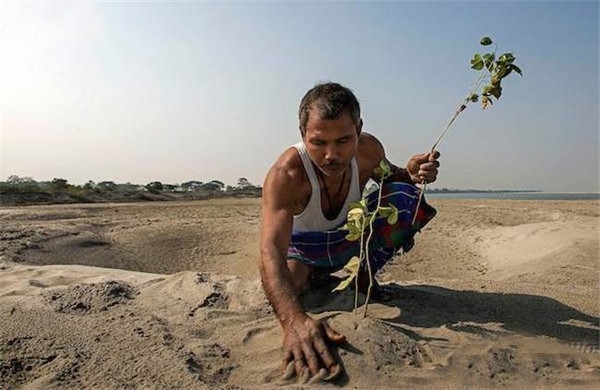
(306,353)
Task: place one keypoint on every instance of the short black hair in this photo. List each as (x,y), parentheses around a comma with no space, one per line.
(330,100)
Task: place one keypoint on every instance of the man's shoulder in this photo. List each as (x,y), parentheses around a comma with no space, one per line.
(369,142)
(289,161)
(287,185)
(288,168)
(370,149)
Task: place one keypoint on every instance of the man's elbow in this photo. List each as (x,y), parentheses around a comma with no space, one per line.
(264,262)
(270,261)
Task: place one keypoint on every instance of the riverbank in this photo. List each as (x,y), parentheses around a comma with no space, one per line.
(495,293)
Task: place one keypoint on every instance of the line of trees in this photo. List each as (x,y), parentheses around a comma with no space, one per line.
(26,185)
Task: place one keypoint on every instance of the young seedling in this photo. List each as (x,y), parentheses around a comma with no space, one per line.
(360,224)
(491,70)
(360,220)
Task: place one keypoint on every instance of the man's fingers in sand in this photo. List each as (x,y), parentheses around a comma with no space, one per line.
(322,366)
(312,360)
(333,367)
(287,358)
(323,354)
(333,336)
(299,364)
(289,371)
(288,366)
(293,364)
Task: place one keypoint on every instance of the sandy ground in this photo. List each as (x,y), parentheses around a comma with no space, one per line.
(166,295)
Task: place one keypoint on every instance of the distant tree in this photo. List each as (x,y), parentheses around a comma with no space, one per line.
(191,185)
(169,187)
(244,187)
(243,183)
(15,183)
(16,180)
(59,184)
(154,187)
(106,186)
(213,186)
(127,187)
(219,184)
(89,186)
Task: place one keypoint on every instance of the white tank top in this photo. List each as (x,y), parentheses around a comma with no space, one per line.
(311,218)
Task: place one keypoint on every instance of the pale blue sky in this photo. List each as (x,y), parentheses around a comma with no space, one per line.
(175,91)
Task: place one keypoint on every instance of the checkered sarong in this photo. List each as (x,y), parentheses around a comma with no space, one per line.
(331,250)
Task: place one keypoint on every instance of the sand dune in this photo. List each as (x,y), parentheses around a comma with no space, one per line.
(494,294)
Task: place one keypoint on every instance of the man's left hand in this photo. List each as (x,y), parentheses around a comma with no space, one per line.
(423,168)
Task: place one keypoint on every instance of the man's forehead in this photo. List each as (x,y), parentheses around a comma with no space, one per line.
(315,114)
(330,128)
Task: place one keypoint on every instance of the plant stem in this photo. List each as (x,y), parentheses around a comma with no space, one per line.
(361,256)
(373,217)
(461,108)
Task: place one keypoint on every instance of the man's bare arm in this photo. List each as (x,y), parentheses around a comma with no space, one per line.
(276,229)
(419,168)
(304,339)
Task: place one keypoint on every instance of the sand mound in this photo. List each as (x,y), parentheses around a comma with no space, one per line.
(514,250)
(85,298)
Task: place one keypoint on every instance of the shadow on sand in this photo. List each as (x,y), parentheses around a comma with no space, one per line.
(427,306)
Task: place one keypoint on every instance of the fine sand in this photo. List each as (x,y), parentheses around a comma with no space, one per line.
(167,295)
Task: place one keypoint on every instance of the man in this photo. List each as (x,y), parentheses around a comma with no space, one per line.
(308,189)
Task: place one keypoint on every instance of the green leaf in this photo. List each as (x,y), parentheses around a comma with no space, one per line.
(355,214)
(478,66)
(393,217)
(359,225)
(385,168)
(352,265)
(506,58)
(353,236)
(385,211)
(344,283)
(487,90)
(352,228)
(497,92)
(489,57)
(477,62)
(488,60)
(504,71)
(357,205)
(486,41)
(516,69)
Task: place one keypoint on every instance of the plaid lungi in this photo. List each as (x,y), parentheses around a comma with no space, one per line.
(331,250)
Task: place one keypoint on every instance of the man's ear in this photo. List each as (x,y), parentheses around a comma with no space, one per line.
(359,127)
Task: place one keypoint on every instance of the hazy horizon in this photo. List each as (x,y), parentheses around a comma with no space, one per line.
(431,187)
(179,91)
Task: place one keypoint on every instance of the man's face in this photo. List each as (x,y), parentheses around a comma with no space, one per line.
(331,143)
